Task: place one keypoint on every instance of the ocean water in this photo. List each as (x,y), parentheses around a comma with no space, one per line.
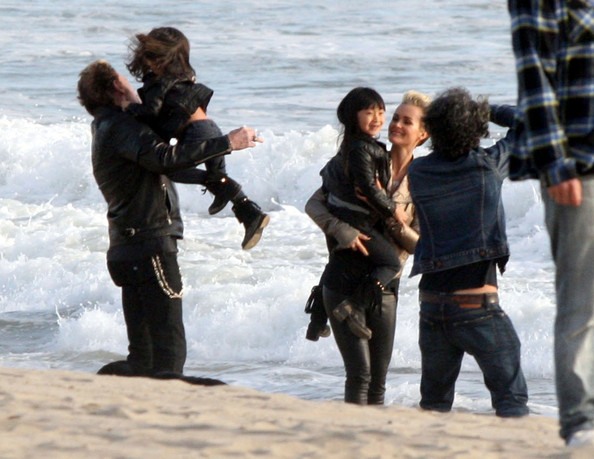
(279,66)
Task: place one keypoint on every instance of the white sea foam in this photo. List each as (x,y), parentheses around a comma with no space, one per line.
(239,306)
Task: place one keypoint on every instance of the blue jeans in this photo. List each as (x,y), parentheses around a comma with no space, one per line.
(571,230)
(446,332)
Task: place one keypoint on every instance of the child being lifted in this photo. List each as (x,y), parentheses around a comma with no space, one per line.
(174,105)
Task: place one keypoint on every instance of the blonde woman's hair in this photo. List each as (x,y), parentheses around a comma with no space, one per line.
(416,98)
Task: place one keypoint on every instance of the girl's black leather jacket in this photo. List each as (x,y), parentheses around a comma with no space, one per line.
(168,103)
(354,170)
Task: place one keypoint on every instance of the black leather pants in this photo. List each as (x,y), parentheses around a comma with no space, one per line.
(366,361)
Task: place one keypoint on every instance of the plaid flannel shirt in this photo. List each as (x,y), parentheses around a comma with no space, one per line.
(553,42)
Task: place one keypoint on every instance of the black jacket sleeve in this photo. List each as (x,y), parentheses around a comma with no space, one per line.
(191,176)
(362,170)
(138,142)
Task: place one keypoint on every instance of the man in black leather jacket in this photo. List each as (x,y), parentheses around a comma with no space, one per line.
(131,165)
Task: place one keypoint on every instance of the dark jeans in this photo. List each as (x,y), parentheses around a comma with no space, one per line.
(446,332)
(202,130)
(383,256)
(366,361)
(151,300)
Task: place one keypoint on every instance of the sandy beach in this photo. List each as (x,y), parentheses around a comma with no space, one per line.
(56,414)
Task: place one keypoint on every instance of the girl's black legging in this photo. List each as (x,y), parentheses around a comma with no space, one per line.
(202,130)
(385,260)
(382,254)
(366,361)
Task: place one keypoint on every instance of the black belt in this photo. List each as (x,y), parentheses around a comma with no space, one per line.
(464,300)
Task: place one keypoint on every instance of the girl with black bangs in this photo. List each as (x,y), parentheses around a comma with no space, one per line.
(355,180)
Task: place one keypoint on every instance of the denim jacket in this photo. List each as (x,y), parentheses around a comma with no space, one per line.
(459,205)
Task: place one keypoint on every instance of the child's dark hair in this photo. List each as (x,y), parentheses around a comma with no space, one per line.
(356,100)
(166,48)
(456,122)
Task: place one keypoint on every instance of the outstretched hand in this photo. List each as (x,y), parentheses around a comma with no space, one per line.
(244,137)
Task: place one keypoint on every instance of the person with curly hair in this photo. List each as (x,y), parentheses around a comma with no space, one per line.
(456,190)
